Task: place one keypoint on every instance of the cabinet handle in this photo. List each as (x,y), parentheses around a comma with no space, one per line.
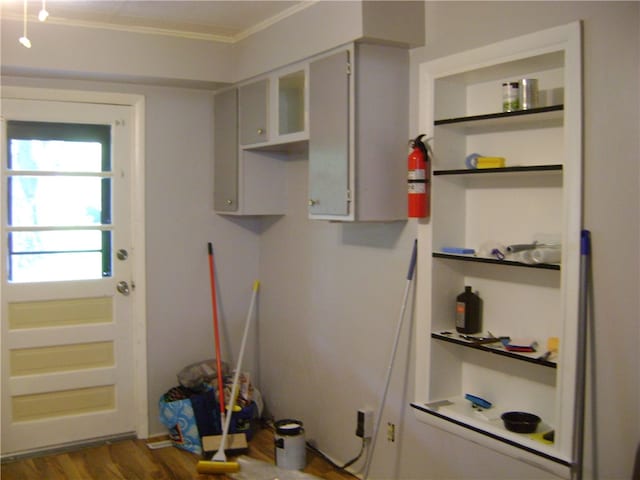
(229,202)
(313,202)
(260,131)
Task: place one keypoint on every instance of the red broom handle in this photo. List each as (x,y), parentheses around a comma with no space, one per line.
(212,278)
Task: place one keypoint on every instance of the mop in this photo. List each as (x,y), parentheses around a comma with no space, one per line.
(218,463)
(412,265)
(581,361)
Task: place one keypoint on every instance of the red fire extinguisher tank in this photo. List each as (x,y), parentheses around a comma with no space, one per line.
(419,185)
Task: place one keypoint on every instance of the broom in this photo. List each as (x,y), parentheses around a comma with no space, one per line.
(218,463)
(216,332)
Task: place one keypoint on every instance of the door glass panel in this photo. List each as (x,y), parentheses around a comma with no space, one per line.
(55,155)
(41,256)
(59,201)
(56,201)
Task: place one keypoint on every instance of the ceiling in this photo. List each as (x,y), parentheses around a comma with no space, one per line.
(218,20)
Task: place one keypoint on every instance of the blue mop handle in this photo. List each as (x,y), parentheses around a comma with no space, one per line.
(581,358)
(585,242)
(412,263)
(383,401)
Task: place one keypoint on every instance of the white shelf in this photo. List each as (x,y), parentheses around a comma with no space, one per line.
(537,195)
(497,349)
(544,117)
(458,412)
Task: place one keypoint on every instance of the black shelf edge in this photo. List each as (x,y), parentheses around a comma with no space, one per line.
(490,435)
(495,261)
(490,116)
(488,348)
(481,171)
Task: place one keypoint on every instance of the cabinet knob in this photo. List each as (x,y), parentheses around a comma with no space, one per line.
(260,131)
(229,202)
(312,202)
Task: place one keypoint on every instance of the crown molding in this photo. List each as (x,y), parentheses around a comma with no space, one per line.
(209,37)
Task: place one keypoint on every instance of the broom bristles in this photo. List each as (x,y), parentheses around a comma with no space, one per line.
(213,467)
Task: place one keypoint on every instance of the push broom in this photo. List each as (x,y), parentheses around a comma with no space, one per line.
(216,332)
(218,463)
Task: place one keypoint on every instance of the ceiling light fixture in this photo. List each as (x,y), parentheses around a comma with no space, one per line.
(42,16)
(24,40)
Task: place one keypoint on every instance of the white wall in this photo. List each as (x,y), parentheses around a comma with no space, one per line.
(331,293)
(611,184)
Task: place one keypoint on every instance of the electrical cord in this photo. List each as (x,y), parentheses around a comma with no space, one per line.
(339,467)
(268,423)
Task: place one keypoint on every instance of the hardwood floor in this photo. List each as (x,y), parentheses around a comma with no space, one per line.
(133,460)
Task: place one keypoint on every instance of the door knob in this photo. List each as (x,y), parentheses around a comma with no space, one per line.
(122,254)
(123,288)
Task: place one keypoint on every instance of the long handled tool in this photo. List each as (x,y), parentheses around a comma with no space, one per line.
(581,363)
(412,266)
(216,331)
(218,463)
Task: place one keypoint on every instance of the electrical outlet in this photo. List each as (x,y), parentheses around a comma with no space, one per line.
(391,432)
(364,428)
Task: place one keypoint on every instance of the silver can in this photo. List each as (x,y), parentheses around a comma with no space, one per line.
(528,93)
(510,96)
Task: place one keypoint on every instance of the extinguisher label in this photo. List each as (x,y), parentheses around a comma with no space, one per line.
(416,175)
(417,188)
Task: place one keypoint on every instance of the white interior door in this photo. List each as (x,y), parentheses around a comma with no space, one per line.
(67,289)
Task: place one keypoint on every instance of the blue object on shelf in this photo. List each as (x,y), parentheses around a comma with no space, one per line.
(478,401)
(458,250)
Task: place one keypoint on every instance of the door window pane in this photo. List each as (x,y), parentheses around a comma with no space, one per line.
(58,185)
(58,255)
(57,201)
(56,155)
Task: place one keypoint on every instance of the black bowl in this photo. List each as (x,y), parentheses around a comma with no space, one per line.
(520,422)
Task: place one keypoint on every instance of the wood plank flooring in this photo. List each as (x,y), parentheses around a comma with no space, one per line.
(133,460)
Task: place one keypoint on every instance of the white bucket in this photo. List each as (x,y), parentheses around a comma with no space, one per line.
(291,452)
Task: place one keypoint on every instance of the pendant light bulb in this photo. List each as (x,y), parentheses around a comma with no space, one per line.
(43,15)
(24,40)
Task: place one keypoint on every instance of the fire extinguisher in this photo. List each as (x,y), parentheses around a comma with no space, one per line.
(419,186)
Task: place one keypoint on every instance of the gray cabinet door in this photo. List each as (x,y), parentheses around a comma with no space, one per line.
(253,112)
(329,135)
(225,150)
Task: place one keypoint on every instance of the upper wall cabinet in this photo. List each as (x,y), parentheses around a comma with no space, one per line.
(225,160)
(273,110)
(347,111)
(536,197)
(359,113)
(257,127)
(254,109)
